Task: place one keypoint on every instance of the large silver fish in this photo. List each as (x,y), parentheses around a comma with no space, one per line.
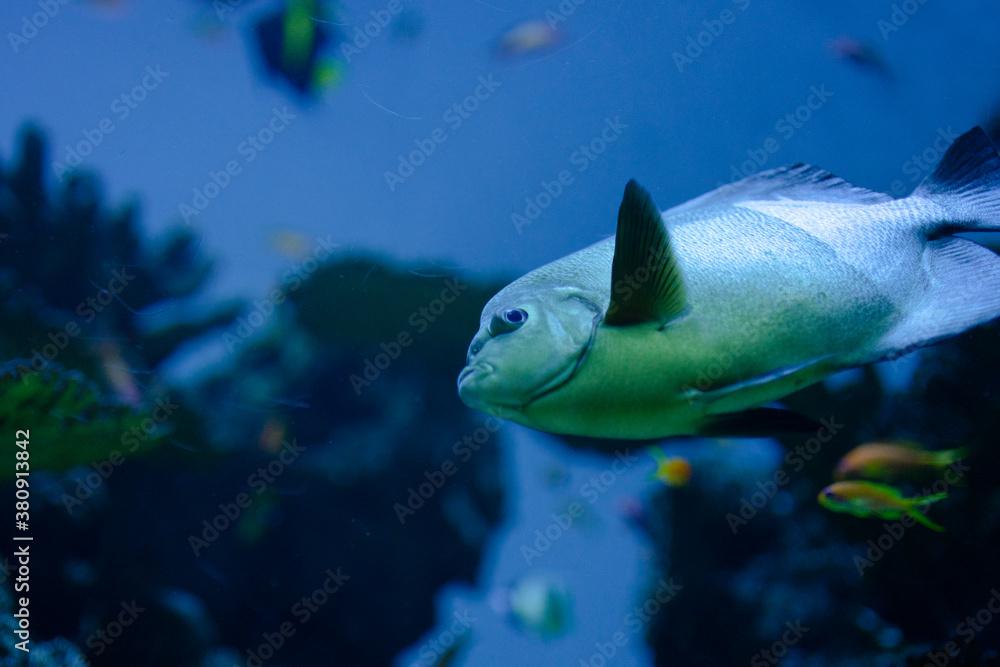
(689,320)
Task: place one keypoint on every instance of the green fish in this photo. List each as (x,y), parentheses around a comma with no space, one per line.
(688,321)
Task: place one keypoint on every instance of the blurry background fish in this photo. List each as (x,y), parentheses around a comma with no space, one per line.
(294,43)
(862,54)
(893,461)
(671,470)
(539,604)
(288,242)
(528,37)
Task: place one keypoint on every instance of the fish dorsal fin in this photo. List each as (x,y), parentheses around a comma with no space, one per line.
(799,182)
(646,284)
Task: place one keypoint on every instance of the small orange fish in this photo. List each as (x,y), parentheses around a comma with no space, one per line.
(868,499)
(888,461)
(671,470)
(272,434)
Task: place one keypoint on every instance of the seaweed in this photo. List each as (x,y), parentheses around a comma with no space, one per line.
(66,420)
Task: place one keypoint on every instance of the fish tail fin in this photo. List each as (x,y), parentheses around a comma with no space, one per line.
(919,516)
(945,458)
(913,505)
(967,184)
(962,278)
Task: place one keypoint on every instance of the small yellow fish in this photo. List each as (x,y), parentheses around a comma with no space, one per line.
(887,461)
(671,470)
(527,37)
(867,499)
(289,243)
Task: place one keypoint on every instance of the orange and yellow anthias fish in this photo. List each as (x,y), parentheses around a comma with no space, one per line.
(892,461)
(870,499)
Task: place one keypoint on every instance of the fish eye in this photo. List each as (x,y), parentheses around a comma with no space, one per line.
(514,316)
(507,320)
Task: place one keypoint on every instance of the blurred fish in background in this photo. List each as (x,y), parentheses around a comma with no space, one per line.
(892,461)
(294,43)
(670,470)
(528,37)
(538,604)
(862,55)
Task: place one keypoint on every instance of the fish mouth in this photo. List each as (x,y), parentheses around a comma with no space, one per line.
(469,370)
(481,389)
(470,390)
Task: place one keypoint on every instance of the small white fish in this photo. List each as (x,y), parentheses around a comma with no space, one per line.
(541,605)
(688,321)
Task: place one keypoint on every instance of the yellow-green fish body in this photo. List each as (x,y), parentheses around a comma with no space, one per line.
(870,499)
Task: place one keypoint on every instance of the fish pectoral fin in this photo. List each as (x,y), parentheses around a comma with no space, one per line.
(646,283)
(760,389)
(759,422)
